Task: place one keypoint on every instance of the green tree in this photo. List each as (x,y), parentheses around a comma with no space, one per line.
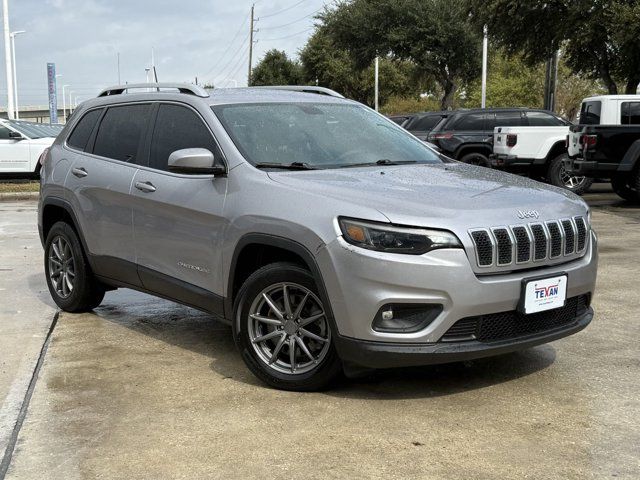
(276,68)
(601,38)
(434,35)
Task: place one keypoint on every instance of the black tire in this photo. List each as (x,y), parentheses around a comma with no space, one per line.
(621,186)
(557,175)
(320,376)
(476,158)
(86,292)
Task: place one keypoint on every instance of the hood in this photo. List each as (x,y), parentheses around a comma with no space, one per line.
(439,196)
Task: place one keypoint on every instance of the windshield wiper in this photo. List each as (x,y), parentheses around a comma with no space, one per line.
(382,161)
(286,166)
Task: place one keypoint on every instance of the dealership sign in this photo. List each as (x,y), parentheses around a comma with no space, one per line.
(53,98)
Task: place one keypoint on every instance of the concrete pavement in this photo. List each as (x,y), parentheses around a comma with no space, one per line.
(144,388)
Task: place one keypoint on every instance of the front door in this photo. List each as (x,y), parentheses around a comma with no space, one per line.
(14,153)
(178,222)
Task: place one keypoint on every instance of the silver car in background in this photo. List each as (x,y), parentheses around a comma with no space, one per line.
(327,236)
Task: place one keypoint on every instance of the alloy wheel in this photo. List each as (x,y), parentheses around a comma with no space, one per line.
(570,181)
(288,328)
(62,272)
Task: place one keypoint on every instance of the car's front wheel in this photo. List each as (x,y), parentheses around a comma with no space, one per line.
(282,329)
(69,277)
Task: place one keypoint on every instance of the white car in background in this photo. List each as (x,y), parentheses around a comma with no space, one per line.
(22,143)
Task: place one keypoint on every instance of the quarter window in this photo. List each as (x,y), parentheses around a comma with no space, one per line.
(542,119)
(630,113)
(470,121)
(425,123)
(508,119)
(590,113)
(121,131)
(176,128)
(81,133)
(4,133)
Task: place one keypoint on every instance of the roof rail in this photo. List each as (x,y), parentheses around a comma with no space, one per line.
(181,87)
(304,89)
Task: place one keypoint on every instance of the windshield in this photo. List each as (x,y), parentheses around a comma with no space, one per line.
(319,135)
(35,130)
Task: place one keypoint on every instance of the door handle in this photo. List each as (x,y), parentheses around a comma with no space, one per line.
(79,172)
(146,187)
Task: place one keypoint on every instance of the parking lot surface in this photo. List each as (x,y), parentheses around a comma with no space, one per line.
(144,388)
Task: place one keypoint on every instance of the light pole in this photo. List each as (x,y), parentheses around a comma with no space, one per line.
(70,102)
(64,104)
(7,58)
(12,35)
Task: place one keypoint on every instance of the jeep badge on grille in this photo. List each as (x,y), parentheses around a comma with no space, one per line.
(528,214)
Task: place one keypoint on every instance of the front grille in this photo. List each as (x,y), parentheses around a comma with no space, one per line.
(514,324)
(533,242)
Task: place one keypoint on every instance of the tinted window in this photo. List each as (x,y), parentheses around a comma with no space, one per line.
(425,123)
(630,113)
(590,113)
(121,131)
(177,128)
(470,121)
(80,135)
(542,119)
(508,119)
(4,133)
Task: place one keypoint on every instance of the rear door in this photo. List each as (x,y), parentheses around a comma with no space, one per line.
(14,153)
(104,159)
(178,222)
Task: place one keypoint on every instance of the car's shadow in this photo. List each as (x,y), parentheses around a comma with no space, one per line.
(198,332)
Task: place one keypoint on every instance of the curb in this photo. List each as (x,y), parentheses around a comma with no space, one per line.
(13,196)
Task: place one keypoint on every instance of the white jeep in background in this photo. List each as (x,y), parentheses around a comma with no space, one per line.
(22,143)
(538,151)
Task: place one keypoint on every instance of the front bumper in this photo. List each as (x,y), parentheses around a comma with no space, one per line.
(359,282)
(391,355)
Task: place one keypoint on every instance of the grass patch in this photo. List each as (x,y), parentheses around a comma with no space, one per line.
(19,186)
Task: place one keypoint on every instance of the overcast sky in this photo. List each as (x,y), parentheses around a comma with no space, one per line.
(203,38)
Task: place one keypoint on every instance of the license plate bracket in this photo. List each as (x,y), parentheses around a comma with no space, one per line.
(539,294)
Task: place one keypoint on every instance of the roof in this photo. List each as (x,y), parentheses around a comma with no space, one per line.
(614,97)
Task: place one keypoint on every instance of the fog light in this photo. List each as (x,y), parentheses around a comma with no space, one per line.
(405,318)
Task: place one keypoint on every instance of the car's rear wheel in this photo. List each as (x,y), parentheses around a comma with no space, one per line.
(558,175)
(282,329)
(69,277)
(476,158)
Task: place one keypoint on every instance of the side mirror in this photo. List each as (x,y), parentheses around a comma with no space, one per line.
(15,135)
(194,161)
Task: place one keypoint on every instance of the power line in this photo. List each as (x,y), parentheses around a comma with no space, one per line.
(287,36)
(227,50)
(283,10)
(291,23)
(233,57)
(239,64)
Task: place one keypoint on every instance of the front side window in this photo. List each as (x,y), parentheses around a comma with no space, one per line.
(82,131)
(320,135)
(120,132)
(630,113)
(176,128)
(4,133)
(590,113)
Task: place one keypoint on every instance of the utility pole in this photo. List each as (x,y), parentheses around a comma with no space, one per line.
(7,59)
(551,76)
(250,44)
(376,82)
(64,103)
(12,35)
(119,68)
(484,66)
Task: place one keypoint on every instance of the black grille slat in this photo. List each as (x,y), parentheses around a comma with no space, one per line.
(569,236)
(484,247)
(556,239)
(514,324)
(539,242)
(581,227)
(523,244)
(505,255)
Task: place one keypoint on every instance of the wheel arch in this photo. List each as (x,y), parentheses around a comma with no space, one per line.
(56,209)
(473,148)
(558,148)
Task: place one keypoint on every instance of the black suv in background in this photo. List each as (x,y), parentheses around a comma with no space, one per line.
(421,124)
(467,135)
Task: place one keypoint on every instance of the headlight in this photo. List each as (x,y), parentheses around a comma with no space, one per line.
(384,237)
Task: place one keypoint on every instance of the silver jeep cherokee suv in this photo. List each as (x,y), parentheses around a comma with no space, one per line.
(327,236)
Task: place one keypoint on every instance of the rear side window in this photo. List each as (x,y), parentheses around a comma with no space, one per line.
(590,113)
(121,131)
(81,133)
(176,128)
(508,119)
(470,121)
(425,123)
(542,119)
(630,113)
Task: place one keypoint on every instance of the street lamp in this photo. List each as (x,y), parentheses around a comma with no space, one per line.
(13,59)
(70,102)
(64,104)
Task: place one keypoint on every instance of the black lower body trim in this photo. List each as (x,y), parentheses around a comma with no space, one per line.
(389,355)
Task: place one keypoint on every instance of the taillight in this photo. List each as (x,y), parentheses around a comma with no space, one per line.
(588,140)
(442,136)
(512,139)
(566,142)
(43,156)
